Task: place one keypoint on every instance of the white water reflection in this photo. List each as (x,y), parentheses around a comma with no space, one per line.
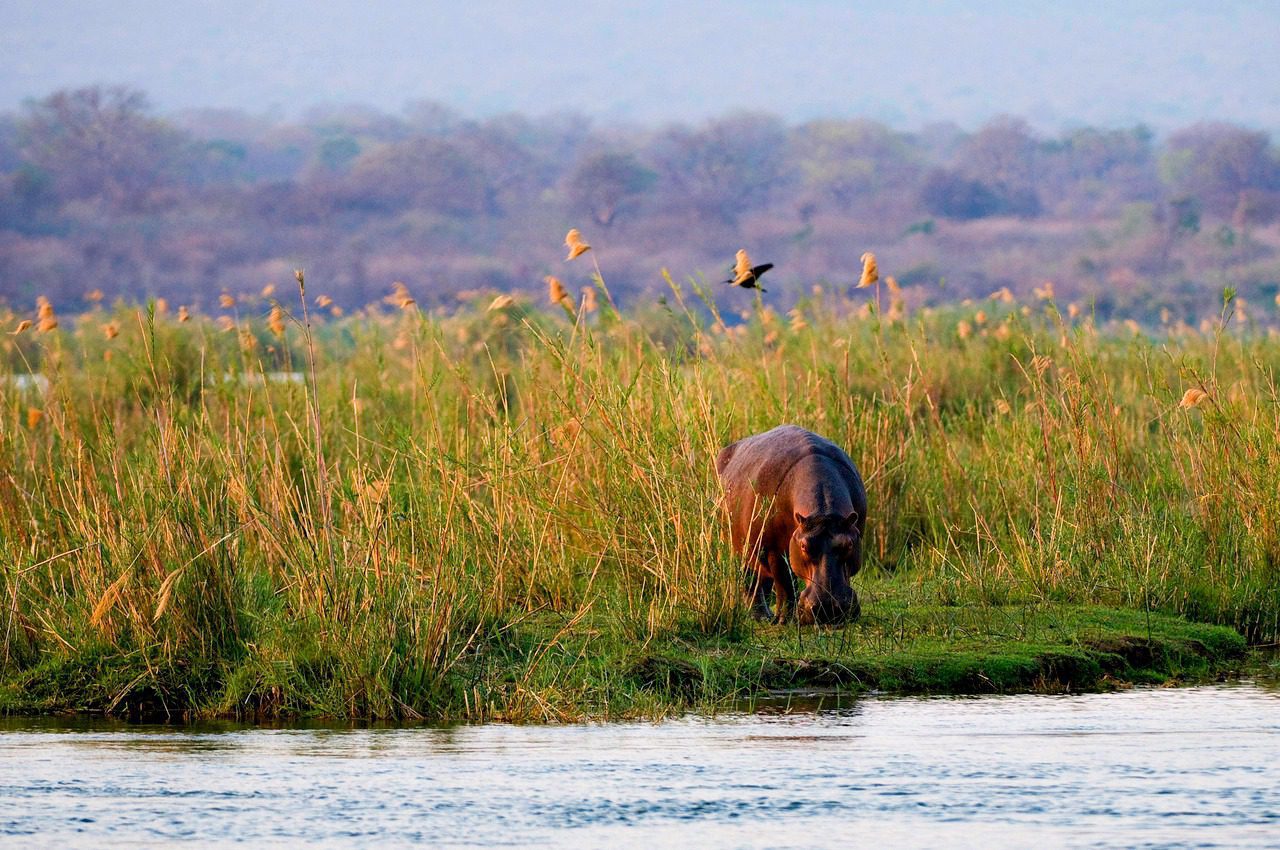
(24,381)
(1193,766)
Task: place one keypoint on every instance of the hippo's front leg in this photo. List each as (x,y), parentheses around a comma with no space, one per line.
(758,586)
(784,587)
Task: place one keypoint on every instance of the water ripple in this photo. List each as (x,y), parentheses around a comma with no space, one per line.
(1155,768)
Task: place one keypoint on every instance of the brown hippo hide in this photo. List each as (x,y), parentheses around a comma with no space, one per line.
(796,506)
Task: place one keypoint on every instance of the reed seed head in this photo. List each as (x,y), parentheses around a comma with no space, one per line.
(556,293)
(1193,397)
(275,321)
(400,296)
(870,271)
(574,242)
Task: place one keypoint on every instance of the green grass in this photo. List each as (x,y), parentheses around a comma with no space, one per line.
(511,513)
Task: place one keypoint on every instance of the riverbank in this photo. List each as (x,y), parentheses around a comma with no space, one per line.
(539,671)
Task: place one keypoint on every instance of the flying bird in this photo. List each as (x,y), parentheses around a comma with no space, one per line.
(746,275)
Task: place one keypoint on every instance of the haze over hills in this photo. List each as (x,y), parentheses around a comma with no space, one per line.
(907,63)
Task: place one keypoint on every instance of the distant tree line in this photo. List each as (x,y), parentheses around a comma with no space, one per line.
(97,191)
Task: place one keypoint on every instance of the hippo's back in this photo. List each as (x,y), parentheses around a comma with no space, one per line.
(760,463)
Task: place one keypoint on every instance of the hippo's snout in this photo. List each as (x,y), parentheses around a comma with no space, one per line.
(827,608)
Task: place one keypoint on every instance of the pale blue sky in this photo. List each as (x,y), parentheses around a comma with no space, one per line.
(1057,63)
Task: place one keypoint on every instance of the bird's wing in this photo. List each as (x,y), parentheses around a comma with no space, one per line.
(742,266)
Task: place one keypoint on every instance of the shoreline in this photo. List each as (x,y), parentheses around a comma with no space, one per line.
(1061,649)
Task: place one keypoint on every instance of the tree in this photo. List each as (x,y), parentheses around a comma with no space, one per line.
(101,142)
(10,156)
(1230,170)
(607,184)
(427,173)
(731,165)
(1087,170)
(843,161)
(508,169)
(1003,157)
(951,195)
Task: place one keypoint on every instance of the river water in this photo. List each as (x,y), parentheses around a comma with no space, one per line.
(1194,767)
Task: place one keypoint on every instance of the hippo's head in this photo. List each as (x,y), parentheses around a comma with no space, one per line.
(825,553)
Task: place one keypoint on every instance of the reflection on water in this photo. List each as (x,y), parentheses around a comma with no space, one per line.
(1195,766)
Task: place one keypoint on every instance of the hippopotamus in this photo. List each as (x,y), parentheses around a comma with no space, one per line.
(796,505)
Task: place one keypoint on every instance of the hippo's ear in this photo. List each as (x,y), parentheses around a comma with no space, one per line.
(808,522)
(851,521)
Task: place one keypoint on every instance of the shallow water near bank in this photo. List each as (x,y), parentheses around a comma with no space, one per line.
(1164,767)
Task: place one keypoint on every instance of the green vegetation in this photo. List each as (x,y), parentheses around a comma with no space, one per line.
(505,512)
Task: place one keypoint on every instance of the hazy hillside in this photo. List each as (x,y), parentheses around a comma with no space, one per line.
(98,191)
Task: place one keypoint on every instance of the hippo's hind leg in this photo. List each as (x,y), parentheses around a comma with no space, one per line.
(758,586)
(784,587)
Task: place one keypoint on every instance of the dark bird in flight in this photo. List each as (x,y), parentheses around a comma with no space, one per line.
(746,275)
